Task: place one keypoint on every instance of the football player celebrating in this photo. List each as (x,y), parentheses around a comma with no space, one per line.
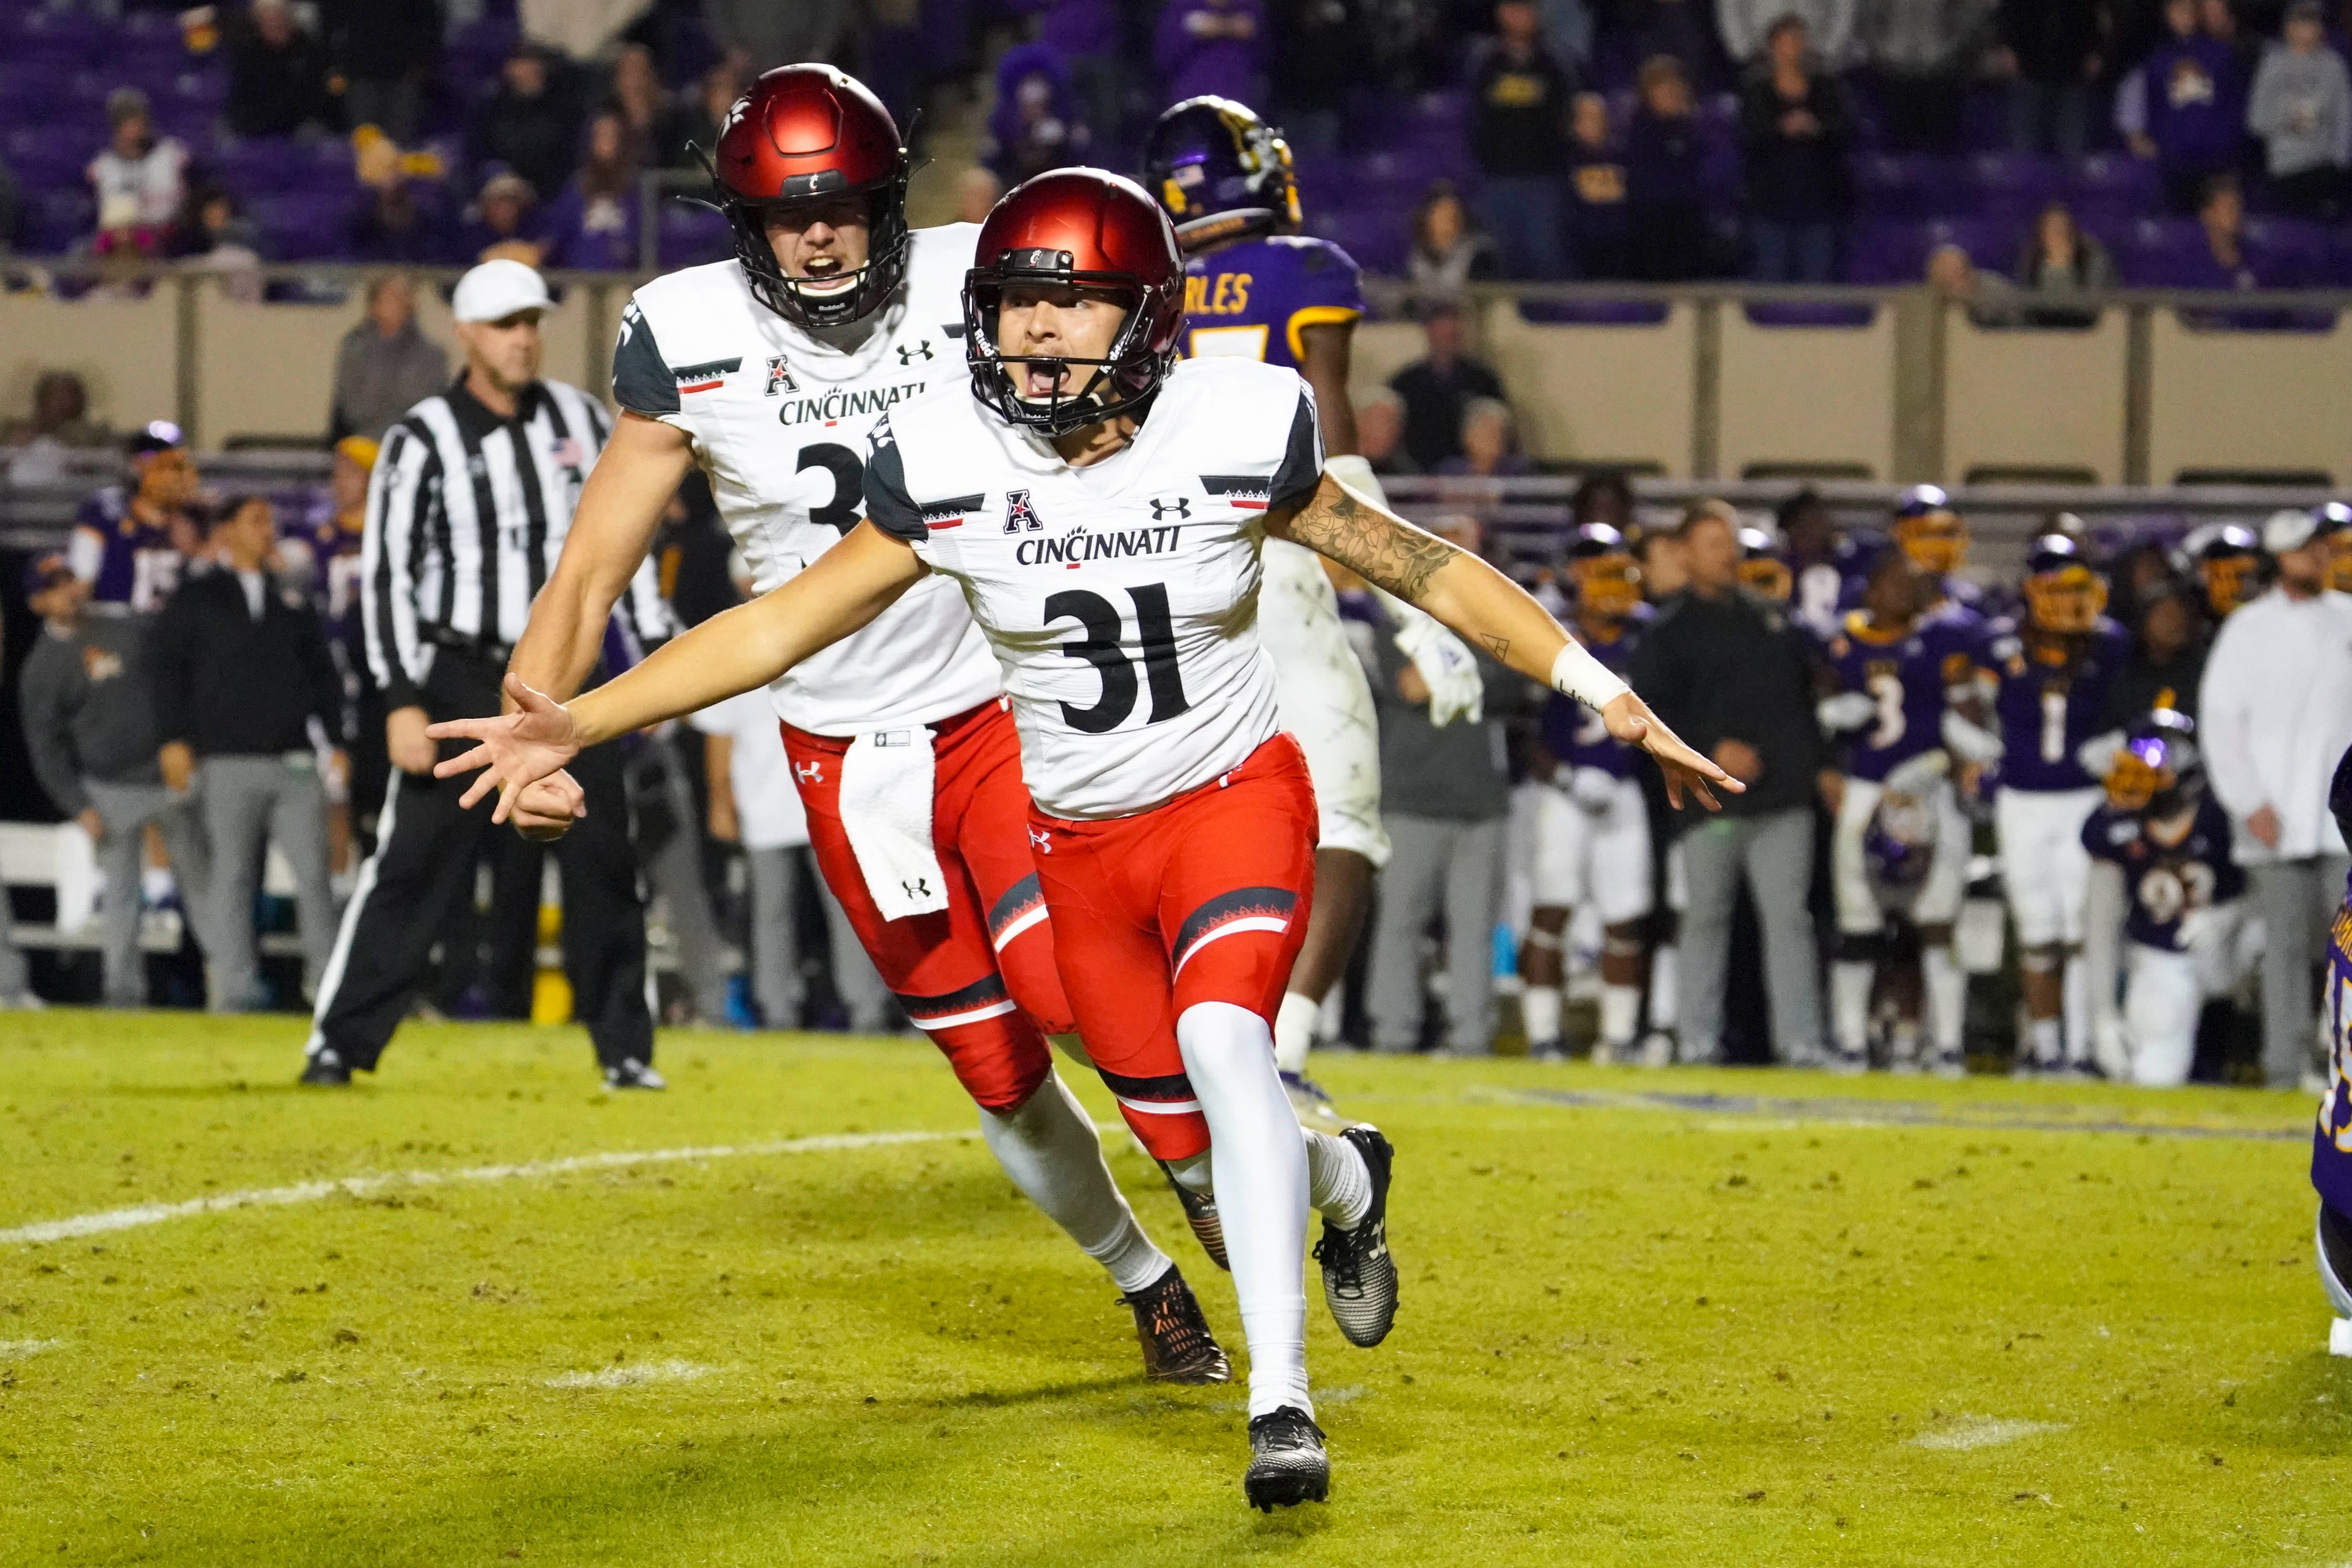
(1592,825)
(2162,878)
(1888,702)
(1172,822)
(1254,290)
(768,371)
(131,542)
(2050,674)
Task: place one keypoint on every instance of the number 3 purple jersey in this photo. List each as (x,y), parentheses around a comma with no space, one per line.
(2331,1144)
(1574,733)
(1905,676)
(1256,299)
(2046,711)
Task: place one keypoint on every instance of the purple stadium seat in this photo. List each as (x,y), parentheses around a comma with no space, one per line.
(59,40)
(1793,313)
(47,159)
(2149,251)
(1593,312)
(2115,185)
(56,223)
(300,227)
(1377,239)
(255,166)
(690,235)
(1905,185)
(2013,185)
(2336,260)
(1885,251)
(1990,242)
(1984,119)
(2291,253)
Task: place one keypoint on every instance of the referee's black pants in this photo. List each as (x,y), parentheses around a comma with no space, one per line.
(426,846)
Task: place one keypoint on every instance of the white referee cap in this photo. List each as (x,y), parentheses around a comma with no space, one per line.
(496,289)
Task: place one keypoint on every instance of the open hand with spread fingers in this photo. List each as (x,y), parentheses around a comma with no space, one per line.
(1630,720)
(514,750)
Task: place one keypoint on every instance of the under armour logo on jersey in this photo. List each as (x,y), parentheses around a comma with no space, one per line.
(1182,505)
(779,376)
(916,887)
(1020,514)
(921,351)
(809,772)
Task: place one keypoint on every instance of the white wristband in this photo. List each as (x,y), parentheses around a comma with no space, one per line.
(1577,674)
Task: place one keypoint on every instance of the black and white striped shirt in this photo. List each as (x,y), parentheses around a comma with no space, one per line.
(466,514)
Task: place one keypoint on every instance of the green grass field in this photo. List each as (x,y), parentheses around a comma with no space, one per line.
(1889,1322)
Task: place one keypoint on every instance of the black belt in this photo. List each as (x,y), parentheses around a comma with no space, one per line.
(480,648)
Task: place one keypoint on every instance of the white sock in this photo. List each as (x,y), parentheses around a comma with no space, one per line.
(1294,1031)
(2048,1041)
(1333,1017)
(1947,998)
(1620,1013)
(1338,1186)
(1539,1005)
(1665,1003)
(1850,1004)
(2077,1010)
(1260,1164)
(1051,1152)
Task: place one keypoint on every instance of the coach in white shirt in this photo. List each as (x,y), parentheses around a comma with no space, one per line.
(2276,711)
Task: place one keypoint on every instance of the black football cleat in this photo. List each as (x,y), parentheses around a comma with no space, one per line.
(1360,1278)
(1287,1464)
(324,1069)
(1200,1214)
(634,1075)
(1177,1345)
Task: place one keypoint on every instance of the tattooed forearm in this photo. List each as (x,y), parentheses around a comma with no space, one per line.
(1392,554)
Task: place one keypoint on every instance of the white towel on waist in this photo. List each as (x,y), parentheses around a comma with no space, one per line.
(886,811)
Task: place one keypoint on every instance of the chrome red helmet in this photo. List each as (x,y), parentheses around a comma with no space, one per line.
(1080,229)
(808,132)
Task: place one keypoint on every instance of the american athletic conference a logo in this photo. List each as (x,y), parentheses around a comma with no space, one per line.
(1021,512)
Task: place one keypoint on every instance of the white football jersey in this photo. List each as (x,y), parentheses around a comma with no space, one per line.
(1122,598)
(780,419)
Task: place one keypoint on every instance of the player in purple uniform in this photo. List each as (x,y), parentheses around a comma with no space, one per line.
(2331,1140)
(2163,880)
(1929,530)
(130,544)
(2049,673)
(1592,825)
(1900,843)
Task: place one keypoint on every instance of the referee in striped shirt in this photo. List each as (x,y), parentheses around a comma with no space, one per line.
(471,497)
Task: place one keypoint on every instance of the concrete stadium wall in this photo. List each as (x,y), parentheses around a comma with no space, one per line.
(125,350)
(1599,394)
(1812,395)
(2035,400)
(2243,400)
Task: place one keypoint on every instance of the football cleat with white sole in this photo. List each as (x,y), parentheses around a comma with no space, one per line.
(324,1069)
(1287,1464)
(1311,1104)
(1360,1278)
(1200,1214)
(634,1075)
(1177,1345)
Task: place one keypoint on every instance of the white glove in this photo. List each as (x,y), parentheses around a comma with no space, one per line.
(1847,710)
(1917,776)
(1970,742)
(1447,666)
(2203,930)
(1593,789)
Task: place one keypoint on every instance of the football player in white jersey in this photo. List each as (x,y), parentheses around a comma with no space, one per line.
(1101,506)
(769,371)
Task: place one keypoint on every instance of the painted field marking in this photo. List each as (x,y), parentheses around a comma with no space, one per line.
(1976,1432)
(631,1376)
(1792,1113)
(147,1213)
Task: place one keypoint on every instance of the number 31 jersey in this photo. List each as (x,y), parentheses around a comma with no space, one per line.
(1122,598)
(780,419)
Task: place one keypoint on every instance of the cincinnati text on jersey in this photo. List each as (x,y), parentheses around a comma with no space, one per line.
(1072,548)
(850,402)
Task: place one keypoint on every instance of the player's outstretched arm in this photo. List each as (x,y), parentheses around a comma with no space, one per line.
(746,647)
(1465,593)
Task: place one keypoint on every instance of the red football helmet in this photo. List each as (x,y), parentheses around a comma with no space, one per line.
(804,133)
(1079,228)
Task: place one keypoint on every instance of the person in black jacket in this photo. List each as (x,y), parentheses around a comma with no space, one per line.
(1794,125)
(246,694)
(2053,51)
(1518,133)
(1731,673)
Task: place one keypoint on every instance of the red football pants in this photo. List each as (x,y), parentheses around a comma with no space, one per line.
(1204,899)
(978,977)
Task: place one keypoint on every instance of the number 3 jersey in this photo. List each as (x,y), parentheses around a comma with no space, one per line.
(2165,881)
(1122,598)
(780,419)
(1901,671)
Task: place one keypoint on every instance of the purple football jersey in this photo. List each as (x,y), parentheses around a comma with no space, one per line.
(2165,881)
(329,568)
(2047,710)
(1255,297)
(2331,1142)
(123,559)
(1904,673)
(1574,733)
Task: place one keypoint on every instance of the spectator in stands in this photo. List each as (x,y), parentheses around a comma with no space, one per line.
(2052,52)
(1732,674)
(1379,433)
(276,72)
(385,364)
(2301,110)
(1447,253)
(593,223)
(528,128)
(2170,645)
(1600,220)
(505,224)
(2268,744)
(140,179)
(1446,798)
(1518,132)
(382,53)
(1663,177)
(1035,125)
(1923,53)
(1490,443)
(89,728)
(2223,261)
(644,106)
(1436,389)
(1794,125)
(1957,279)
(1747,27)
(1323,52)
(36,448)
(401,217)
(695,121)
(2059,264)
(2185,106)
(244,689)
(1210,47)
(976,190)
(213,237)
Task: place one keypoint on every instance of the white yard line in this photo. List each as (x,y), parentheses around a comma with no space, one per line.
(1976,1432)
(146,1214)
(630,1377)
(11,1349)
